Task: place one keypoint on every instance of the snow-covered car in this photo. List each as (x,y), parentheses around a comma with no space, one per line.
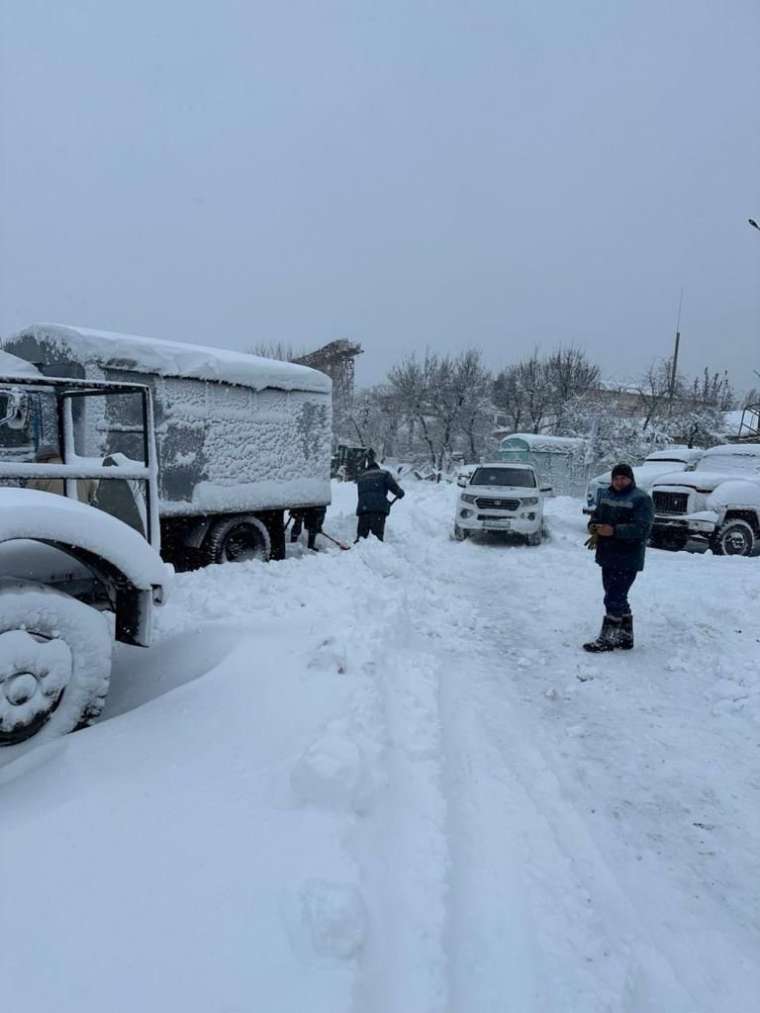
(501,497)
(661,462)
(715,506)
(70,550)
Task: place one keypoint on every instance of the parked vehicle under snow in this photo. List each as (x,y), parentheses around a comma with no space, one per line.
(715,506)
(240,439)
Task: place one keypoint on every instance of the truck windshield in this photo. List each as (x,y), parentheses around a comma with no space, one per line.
(520,478)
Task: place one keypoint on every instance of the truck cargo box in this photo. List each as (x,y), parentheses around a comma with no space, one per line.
(235,432)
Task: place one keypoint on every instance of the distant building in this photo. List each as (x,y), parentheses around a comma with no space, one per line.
(337,359)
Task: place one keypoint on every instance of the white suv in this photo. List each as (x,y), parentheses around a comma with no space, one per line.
(501,497)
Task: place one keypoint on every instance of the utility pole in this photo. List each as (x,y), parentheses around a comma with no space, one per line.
(674,370)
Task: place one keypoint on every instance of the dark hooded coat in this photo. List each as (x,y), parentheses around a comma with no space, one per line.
(630,513)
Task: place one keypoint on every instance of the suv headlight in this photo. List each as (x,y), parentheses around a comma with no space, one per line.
(530,501)
(467,499)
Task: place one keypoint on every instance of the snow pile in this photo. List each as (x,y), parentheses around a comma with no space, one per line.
(388,780)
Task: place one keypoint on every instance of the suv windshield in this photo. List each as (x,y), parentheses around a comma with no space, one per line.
(513,477)
(729,462)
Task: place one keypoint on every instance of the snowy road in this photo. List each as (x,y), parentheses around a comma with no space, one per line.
(387,781)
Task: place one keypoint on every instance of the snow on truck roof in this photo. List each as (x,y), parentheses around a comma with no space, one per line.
(178,359)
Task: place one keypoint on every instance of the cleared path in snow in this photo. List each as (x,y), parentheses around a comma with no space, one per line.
(388,781)
(602,829)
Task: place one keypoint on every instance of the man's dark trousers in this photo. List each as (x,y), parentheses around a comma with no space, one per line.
(617,584)
(373,523)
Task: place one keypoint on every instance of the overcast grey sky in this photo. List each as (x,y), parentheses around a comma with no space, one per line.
(406,173)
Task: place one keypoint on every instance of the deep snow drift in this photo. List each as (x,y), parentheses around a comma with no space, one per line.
(388,781)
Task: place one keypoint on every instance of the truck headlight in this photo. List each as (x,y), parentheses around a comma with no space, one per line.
(467,499)
(530,501)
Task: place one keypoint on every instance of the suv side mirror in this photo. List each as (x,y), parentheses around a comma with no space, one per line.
(546,488)
(462,481)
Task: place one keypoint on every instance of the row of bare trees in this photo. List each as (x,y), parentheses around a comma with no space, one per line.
(441,407)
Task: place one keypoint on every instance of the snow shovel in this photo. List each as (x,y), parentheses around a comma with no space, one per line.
(341,545)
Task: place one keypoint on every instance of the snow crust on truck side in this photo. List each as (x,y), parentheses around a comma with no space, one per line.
(44,516)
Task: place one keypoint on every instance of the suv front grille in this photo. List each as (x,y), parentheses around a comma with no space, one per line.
(497,504)
(671,502)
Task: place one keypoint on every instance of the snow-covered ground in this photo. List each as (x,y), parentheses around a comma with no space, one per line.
(388,781)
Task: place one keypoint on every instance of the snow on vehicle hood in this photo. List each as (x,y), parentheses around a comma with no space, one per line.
(27,513)
(735,492)
(644,474)
(178,359)
(707,480)
(501,491)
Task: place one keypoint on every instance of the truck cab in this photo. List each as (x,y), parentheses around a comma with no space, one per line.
(79,542)
(716,506)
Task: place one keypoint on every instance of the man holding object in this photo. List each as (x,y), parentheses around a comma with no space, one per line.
(619,529)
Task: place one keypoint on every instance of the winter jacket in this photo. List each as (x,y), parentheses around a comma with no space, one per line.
(631,513)
(373,485)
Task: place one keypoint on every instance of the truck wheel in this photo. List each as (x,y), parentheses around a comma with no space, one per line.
(236,540)
(459,533)
(55,662)
(735,538)
(535,538)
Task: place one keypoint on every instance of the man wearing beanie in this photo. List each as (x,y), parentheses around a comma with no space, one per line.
(619,528)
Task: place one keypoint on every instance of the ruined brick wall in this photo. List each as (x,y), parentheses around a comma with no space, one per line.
(337,360)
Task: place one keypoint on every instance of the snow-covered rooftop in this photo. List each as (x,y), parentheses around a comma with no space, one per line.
(175,358)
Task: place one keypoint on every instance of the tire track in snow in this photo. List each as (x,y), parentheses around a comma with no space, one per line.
(537,920)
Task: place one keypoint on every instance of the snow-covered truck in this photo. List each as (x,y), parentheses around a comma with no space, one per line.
(715,506)
(240,439)
(65,564)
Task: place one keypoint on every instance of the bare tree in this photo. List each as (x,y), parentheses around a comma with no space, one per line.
(374,416)
(446,400)
(509,397)
(410,382)
(569,375)
(654,390)
(276,350)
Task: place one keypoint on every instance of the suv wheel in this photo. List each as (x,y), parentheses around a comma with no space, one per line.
(734,538)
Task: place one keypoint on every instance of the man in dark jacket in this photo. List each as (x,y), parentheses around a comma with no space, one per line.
(373,486)
(619,528)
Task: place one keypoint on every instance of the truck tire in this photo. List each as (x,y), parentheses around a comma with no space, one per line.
(55,662)
(734,538)
(236,540)
(459,533)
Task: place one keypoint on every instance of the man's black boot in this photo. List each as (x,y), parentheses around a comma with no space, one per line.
(609,636)
(626,633)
